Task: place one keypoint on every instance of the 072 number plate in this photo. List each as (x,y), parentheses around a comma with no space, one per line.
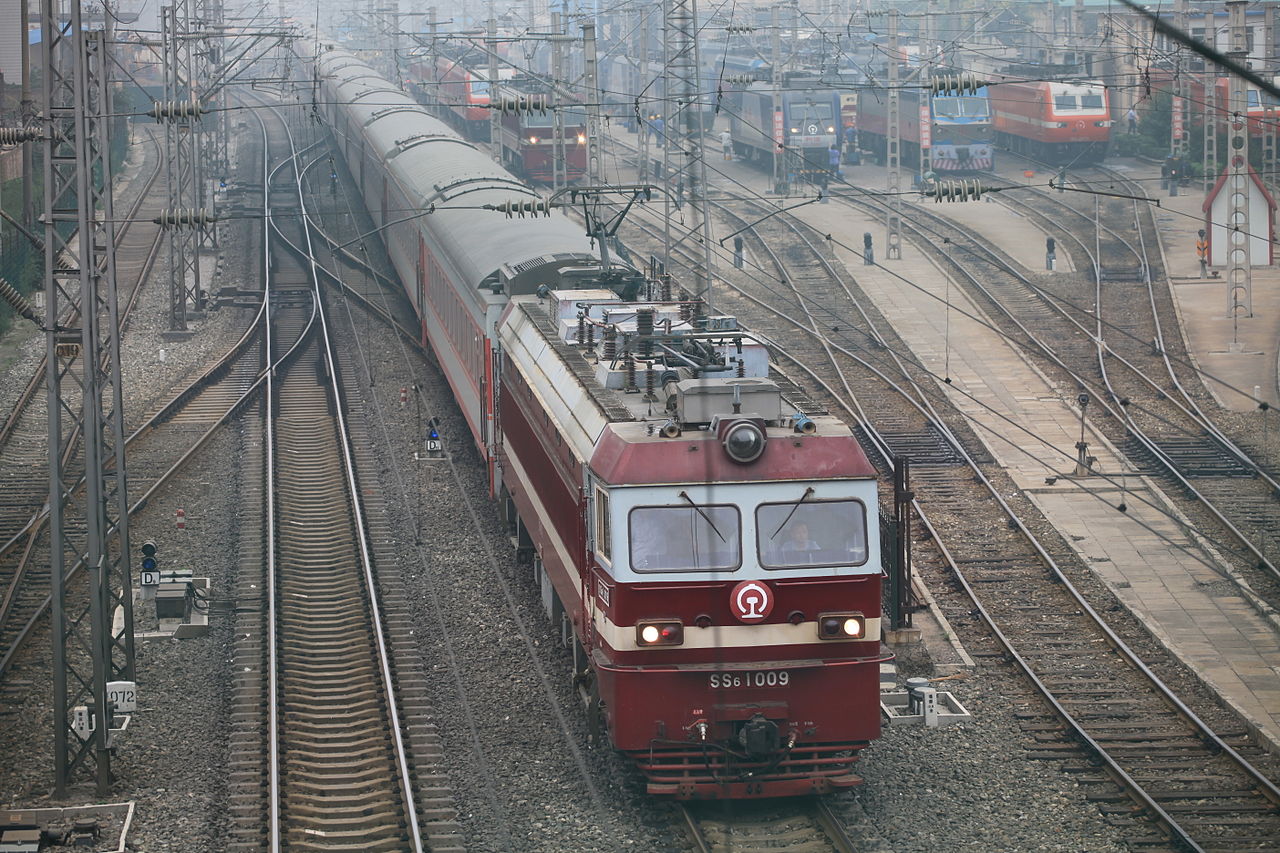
(757,678)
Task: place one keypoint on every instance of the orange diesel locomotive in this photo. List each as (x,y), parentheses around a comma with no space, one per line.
(1057,123)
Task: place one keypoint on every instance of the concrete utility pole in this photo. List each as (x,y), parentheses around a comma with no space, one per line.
(640,55)
(1239,239)
(495,95)
(1269,112)
(1211,123)
(780,183)
(1177,120)
(559,176)
(683,92)
(85,401)
(1077,26)
(893,224)
(591,82)
(27,109)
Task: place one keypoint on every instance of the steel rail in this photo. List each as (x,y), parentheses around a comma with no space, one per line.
(1120,412)
(1135,790)
(351,481)
(10,424)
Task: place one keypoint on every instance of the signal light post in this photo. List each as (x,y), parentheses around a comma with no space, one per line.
(150,568)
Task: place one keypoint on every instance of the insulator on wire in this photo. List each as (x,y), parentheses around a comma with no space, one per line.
(740,79)
(955,84)
(185,217)
(740,28)
(176,110)
(17,301)
(967,190)
(523,104)
(18,135)
(523,208)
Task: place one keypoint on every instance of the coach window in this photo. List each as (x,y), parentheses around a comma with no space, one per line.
(811,533)
(603,539)
(693,538)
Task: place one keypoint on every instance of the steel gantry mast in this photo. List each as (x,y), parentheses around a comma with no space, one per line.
(684,97)
(180,111)
(85,413)
(218,159)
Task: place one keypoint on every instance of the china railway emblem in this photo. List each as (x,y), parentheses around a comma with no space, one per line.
(751,601)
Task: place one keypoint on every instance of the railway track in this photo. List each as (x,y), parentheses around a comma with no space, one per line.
(1131,737)
(158,449)
(135,255)
(1140,366)
(338,762)
(806,825)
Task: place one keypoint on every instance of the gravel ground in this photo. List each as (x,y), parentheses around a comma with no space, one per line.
(172,758)
(514,735)
(969,786)
(918,780)
(522,778)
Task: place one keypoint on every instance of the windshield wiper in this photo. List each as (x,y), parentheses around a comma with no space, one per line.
(705,517)
(808,491)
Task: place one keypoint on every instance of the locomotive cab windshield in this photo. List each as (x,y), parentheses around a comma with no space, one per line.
(741,530)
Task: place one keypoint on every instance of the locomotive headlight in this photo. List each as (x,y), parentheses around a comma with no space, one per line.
(659,632)
(842,626)
(582,139)
(744,441)
(831,130)
(533,140)
(795,130)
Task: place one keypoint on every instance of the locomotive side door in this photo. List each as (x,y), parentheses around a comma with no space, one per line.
(591,506)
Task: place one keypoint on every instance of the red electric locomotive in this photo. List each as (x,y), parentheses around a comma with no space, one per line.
(707,542)
(459,94)
(1057,123)
(535,138)
(715,549)
(1262,110)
